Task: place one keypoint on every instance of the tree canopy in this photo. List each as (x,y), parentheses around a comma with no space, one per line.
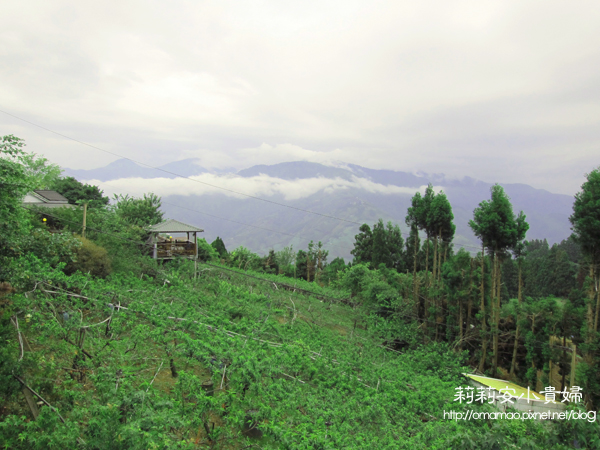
(77,192)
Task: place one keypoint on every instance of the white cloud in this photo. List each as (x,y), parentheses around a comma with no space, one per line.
(257,186)
(474,88)
(264,153)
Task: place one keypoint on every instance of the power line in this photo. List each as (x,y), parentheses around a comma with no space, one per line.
(182,176)
(214,186)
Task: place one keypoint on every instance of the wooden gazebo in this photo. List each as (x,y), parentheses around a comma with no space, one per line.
(168,247)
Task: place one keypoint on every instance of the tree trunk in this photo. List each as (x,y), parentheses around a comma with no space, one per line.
(460,319)
(440,265)
(435,253)
(533,333)
(563,365)
(318,271)
(470,297)
(444,298)
(590,317)
(415,292)
(426,300)
(497,312)
(433,278)
(493,324)
(513,363)
(483,328)
(597,304)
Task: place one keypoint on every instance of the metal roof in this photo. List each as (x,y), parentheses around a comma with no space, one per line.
(174,226)
(51,196)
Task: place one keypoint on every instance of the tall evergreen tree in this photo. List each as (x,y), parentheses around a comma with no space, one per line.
(219,246)
(518,249)
(363,245)
(414,220)
(395,247)
(586,231)
(413,244)
(495,224)
(301,266)
(439,222)
(380,253)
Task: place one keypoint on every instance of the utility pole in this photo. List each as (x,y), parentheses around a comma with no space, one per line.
(84,217)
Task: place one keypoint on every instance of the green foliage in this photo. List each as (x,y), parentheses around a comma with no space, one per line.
(286,256)
(440,218)
(244,259)
(302,265)
(219,247)
(141,212)
(494,221)
(270,263)
(90,258)
(125,243)
(586,216)
(41,173)
(206,252)
(78,193)
(413,245)
(14,184)
(363,245)
(383,245)
(156,356)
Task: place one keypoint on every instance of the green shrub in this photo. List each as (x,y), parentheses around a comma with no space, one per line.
(90,258)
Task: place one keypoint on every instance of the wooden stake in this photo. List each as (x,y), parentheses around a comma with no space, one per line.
(31,402)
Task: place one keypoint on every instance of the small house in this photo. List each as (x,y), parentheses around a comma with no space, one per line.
(46,198)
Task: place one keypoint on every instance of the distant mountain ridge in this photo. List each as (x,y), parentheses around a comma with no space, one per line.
(547,213)
(125,168)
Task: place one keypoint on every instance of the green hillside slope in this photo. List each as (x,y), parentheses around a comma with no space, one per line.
(228,361)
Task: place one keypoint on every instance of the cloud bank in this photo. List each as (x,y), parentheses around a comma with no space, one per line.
(257,186)
(505,91)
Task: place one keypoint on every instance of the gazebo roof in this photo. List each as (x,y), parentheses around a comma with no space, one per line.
(174,226)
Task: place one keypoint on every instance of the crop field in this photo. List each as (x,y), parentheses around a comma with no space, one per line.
(227,361)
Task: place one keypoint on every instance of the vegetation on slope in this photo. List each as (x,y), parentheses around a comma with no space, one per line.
(143,355)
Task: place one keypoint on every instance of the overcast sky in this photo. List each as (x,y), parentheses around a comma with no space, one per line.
(503,91)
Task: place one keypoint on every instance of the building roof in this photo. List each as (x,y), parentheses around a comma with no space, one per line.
(51,196)
(174,226)
(46,198)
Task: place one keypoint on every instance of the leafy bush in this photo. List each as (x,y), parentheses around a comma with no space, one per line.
(206,252)
(90,258)
(142,212)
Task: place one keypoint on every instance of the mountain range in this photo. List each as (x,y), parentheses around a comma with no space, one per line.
(352,193)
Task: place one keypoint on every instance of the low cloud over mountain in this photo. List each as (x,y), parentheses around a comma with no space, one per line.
(349,192)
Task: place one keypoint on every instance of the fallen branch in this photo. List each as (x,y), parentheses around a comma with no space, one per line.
(293,378)
(223,379)
(161,364)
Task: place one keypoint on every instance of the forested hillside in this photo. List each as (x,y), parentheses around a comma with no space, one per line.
(104,348)
(352,192)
